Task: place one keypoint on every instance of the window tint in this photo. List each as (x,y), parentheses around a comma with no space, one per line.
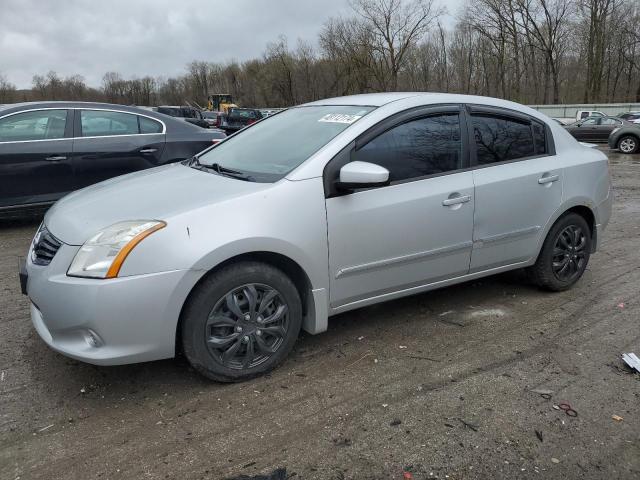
(38,125)
(499,139)
(590,121)
(149,126)
(414,149)
(96,123)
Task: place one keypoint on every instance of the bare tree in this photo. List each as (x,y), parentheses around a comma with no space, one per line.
(7,90)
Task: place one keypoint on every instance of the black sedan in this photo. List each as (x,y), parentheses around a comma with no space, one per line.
(595,129)
(48,149)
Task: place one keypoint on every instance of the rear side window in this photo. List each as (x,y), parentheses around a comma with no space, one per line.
(97,123)
(610,121)
(418,148)
(37,125)
(499,139)
(149,126)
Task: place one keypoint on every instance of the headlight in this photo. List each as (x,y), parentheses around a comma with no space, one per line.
(103,254)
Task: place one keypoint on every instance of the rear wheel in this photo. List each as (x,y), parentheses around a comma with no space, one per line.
(241,322)
(629,144)
(564,255)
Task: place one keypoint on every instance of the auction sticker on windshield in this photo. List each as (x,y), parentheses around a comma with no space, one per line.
(339,118)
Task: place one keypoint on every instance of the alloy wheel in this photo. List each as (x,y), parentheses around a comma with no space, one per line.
(569,253)
(627,145)
(247,326)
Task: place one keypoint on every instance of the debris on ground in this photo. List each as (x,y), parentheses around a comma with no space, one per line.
(278,474)
(469,425)
(617,418)
(407,475)
(632,360)
(395,422)
(539,435)
(554,460)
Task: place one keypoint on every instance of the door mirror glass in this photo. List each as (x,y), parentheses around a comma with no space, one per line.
(362,175)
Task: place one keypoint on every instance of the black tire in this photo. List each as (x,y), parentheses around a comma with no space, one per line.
(629,144)
(217,342)
(559,267)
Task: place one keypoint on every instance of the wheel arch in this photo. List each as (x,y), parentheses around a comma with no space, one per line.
(579,207)
(626,134)
(314,312)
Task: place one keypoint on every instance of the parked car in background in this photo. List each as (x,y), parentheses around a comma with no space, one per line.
(238,118)
(48,149)
(626,138)
(581,115)
(633,117)
(321,209)
(187,113)
(212,118)
(594,129)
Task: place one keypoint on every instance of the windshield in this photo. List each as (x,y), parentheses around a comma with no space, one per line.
(270,149)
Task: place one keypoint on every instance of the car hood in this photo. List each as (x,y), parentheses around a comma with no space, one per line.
(154,194)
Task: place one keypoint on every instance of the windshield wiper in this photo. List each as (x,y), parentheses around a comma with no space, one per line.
(220,170)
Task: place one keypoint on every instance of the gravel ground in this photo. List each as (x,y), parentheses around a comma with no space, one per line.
(440,385)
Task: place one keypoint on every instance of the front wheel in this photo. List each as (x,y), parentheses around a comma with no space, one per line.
(629,144)
(241,322)
(564,255)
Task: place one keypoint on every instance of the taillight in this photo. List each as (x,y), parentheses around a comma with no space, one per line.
(251,120)
(215,140)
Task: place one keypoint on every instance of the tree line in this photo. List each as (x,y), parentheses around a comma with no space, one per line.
(529,51)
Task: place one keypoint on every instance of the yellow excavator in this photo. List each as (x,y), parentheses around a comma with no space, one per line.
(220,102)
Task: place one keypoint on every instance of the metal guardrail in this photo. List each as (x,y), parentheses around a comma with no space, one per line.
(570,110)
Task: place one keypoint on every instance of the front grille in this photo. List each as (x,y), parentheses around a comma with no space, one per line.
(45,247)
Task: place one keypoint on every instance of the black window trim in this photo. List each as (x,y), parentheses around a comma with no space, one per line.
(505,113)
(343,157)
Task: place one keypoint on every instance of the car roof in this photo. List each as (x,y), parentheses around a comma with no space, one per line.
(426,98)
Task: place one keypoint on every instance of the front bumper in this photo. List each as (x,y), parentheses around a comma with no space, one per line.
(107,322)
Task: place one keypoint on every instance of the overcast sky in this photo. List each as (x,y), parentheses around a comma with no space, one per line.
(149,37)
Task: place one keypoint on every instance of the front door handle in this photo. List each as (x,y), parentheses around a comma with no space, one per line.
(548,179)
(55,158)
(148,150)
(456,200)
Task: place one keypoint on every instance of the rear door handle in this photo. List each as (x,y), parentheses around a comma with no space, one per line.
(456,200)
(148,150)
(548,179)
(55,158)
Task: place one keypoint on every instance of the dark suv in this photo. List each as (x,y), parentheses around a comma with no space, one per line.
(238,118)
(188,114)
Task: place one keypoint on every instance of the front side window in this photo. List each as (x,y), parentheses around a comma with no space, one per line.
(269,150)
(500,139)
(590,121)
(418,148)
(37,125)
(98,123)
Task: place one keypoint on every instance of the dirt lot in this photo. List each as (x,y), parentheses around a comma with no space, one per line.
(439,385)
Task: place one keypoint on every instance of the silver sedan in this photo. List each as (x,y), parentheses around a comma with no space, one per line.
(316,210)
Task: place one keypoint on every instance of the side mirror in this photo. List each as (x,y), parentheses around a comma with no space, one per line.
(362,175)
